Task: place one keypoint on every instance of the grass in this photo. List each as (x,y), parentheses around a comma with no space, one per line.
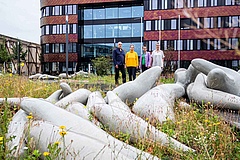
(198,126)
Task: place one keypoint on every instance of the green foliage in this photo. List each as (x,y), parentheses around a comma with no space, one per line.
(102,65)
(4,56)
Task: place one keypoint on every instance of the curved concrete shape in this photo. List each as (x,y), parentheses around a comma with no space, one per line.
(82,111)
(199,92)
(55,96)
(35,76)
(17,128)
(232,76)
(184,76)
(64,75)
(66,89)
(219,80)
(78,146)
(12,101)
(78,109)
(119,120)
(94,98)
(114,101)
(80,95)
(53,114)
(157,104)
(134,89)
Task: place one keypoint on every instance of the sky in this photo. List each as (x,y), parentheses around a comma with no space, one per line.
(20,19)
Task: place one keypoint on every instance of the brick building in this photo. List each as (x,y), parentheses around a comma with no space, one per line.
(187,29)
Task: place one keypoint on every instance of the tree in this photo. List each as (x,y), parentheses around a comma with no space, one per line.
(4,56)
(102,65)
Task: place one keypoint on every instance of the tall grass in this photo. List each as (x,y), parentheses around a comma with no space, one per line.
(199,127)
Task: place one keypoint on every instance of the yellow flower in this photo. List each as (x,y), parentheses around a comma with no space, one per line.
(206,120)
(22,64)
(62,133)
(62,127)
(215,124)
(178,122)
(29,117)
(57,143)
(208,103)
(184,120)
(46,154)
(1,138)
(147,119)
(10,74)
(84,106)
(201,133)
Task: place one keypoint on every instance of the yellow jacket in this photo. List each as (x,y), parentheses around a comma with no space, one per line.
(131,59)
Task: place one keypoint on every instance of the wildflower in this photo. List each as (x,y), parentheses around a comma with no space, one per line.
(46,154)
(57,143)
(1,140)
(62,133)
(201,133)
(22,64)
(208,103)
(29,117)
(147,119)
(84,106)
(209,125)
(168,119)
(178,122)
(215,124)
(206,120)
(62,127)
(184,120)
(10,74)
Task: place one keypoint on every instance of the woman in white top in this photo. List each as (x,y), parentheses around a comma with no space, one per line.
(158,56)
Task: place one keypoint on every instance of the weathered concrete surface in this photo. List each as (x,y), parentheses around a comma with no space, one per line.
(134,89)
(17,129)
(80,95)
(58,116)
(119,120)
(114,101)
(220,78)
(157,104)
(199,92)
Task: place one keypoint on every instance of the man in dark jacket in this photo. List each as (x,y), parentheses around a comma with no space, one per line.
(119,63)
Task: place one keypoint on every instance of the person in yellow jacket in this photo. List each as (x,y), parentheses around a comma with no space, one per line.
(131,61)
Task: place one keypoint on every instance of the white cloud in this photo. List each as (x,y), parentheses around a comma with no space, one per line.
(20,19)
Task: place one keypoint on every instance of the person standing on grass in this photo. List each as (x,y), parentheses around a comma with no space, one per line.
(145,59)
(131,60)
(158,57)
(119,63)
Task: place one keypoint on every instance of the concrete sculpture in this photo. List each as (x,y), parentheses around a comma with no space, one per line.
(199,92)
(157,104)
(131,90)
(80,126)
(119,120)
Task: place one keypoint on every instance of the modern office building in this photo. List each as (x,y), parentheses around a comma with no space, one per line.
(187,29)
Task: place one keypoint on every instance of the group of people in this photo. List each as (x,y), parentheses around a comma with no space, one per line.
(131,61)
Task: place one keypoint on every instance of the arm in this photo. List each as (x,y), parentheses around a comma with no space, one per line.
(114,57)
(136,59)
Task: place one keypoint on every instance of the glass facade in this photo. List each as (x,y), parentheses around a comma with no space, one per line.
(102,26)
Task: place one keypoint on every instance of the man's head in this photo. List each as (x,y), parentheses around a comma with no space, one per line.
(144,48)
(120,45)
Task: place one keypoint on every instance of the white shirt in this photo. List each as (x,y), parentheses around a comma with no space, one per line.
(157,57)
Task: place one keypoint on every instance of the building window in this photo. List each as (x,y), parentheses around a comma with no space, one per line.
(111,13)
(137,11)
(234,21)
(173,24)
(99,14)
(148,25)
(125,12)
(87,14)
(155,4)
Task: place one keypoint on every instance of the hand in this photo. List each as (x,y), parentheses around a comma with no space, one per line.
(116,66)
